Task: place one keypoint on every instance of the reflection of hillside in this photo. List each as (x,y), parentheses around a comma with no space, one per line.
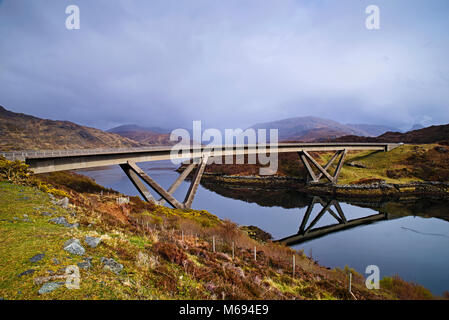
(288,199)
(262,196)
(425,208)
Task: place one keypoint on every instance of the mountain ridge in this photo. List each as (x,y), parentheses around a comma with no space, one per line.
(21,131)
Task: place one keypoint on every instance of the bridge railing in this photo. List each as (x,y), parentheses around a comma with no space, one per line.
(22,155)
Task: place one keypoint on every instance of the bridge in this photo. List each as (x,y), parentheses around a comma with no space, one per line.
(51,161)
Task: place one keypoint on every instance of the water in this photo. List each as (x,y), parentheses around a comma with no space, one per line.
(411,240)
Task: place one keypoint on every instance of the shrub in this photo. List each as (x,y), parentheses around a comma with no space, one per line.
(73,181)
(16,171)
(404,290)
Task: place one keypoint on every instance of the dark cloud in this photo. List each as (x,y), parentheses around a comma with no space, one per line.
(229,63)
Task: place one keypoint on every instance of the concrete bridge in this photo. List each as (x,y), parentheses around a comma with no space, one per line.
(51,161)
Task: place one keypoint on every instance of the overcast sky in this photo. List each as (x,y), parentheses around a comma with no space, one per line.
(229,63)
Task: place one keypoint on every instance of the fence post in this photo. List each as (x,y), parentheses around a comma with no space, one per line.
(182,235)
(350,282)
(294,265)
(232,250)
(213,243)
(255,254)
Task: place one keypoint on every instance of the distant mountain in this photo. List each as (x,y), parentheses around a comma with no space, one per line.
(20,131)
(432,134)
(371,130)
(309,129)
(416,126)
(144,135)
(135,127)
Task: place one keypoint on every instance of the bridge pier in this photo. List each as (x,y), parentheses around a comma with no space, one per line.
(136,175)
(306,157)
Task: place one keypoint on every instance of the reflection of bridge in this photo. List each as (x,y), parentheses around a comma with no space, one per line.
(305,234)
(50,161)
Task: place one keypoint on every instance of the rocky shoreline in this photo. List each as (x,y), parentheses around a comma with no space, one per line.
(378,189)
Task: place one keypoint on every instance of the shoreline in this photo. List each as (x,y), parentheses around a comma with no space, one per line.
(376,190)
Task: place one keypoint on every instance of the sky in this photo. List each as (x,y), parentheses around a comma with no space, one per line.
(228,63)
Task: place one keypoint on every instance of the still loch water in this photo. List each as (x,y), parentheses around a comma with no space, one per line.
(411,240)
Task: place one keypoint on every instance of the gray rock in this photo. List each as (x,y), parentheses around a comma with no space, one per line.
(49,287)
(37,257)
(46,213)
(86,265)
(74,247)
(356,164)
(92,242)
(112,265)
(30,271)
(55,261)
(63,222)
(63,202)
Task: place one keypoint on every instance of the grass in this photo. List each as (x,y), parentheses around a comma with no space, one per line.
(158,262)
(403,164)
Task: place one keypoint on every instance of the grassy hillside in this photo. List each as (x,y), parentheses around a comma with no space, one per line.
(158,253)
(429,162)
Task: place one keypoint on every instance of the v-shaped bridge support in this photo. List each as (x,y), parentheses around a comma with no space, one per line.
(136,175)
(306,157)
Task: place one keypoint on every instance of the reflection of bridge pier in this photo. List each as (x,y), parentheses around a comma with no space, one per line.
(308,233)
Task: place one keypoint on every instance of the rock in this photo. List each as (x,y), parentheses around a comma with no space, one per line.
(74,247)
(55,261)
(63,222)
(64,202)
(86,265)
(37,257)
(441,149)
(30,271)
(49,287)
(46,213)
(92,242)
(356,164)
(112,265)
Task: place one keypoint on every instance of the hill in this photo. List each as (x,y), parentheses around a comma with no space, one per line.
(371,129)
(144,135)
(308,129)
(432,134)
(142,251)
(24,132)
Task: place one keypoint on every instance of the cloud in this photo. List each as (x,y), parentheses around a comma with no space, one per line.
(229,63)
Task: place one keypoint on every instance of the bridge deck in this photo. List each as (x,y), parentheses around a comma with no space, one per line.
(50,161)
